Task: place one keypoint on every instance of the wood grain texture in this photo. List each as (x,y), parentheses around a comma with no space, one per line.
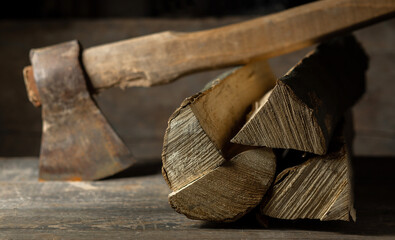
(197,138)
(221,107)
(137,207)
(229,191)
(304,108)
(188,153)
(163,57)
(197,151)
(320,188)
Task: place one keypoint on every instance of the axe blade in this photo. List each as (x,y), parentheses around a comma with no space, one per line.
(77,141)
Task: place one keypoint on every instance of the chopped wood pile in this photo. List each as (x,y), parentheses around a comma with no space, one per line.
(282,147)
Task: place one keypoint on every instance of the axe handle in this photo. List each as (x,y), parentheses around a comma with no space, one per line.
(163,57)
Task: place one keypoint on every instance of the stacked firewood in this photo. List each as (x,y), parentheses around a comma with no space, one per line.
(249,141)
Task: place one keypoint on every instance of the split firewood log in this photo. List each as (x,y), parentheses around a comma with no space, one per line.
(319,188)
(214,179)
(303,109)
(211,178)
(229,191)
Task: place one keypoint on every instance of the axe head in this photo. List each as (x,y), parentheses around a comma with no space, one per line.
(77,141)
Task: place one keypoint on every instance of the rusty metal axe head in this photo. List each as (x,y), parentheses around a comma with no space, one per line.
(77,141)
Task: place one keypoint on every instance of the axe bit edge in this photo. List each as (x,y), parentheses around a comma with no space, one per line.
(77,141)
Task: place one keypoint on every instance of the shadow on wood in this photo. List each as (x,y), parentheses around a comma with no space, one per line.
(374,203)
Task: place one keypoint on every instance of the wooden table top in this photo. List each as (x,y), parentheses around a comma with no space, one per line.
(135,206)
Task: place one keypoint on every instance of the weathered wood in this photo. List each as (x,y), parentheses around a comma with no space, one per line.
(302,111)
(137,208)
(196,144)
(18,169)
(197,138)
(229,191)
(320,188)
(163,57)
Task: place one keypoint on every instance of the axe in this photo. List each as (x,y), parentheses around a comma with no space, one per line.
(77,141)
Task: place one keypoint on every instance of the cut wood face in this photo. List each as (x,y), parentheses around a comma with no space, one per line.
(229,191)
(220,109)
(199,132)
(306,104)
(319,188)
(189,153)
(197,146)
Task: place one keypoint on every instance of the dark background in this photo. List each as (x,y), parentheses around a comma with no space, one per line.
(140,115)
(49,9)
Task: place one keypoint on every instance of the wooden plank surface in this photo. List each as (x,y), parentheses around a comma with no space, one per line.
(136,207)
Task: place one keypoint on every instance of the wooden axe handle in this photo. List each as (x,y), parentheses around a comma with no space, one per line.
(163,57)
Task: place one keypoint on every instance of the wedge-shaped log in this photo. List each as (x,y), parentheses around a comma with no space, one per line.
(196,143)
(77,141)
(301,112)
(319,188)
